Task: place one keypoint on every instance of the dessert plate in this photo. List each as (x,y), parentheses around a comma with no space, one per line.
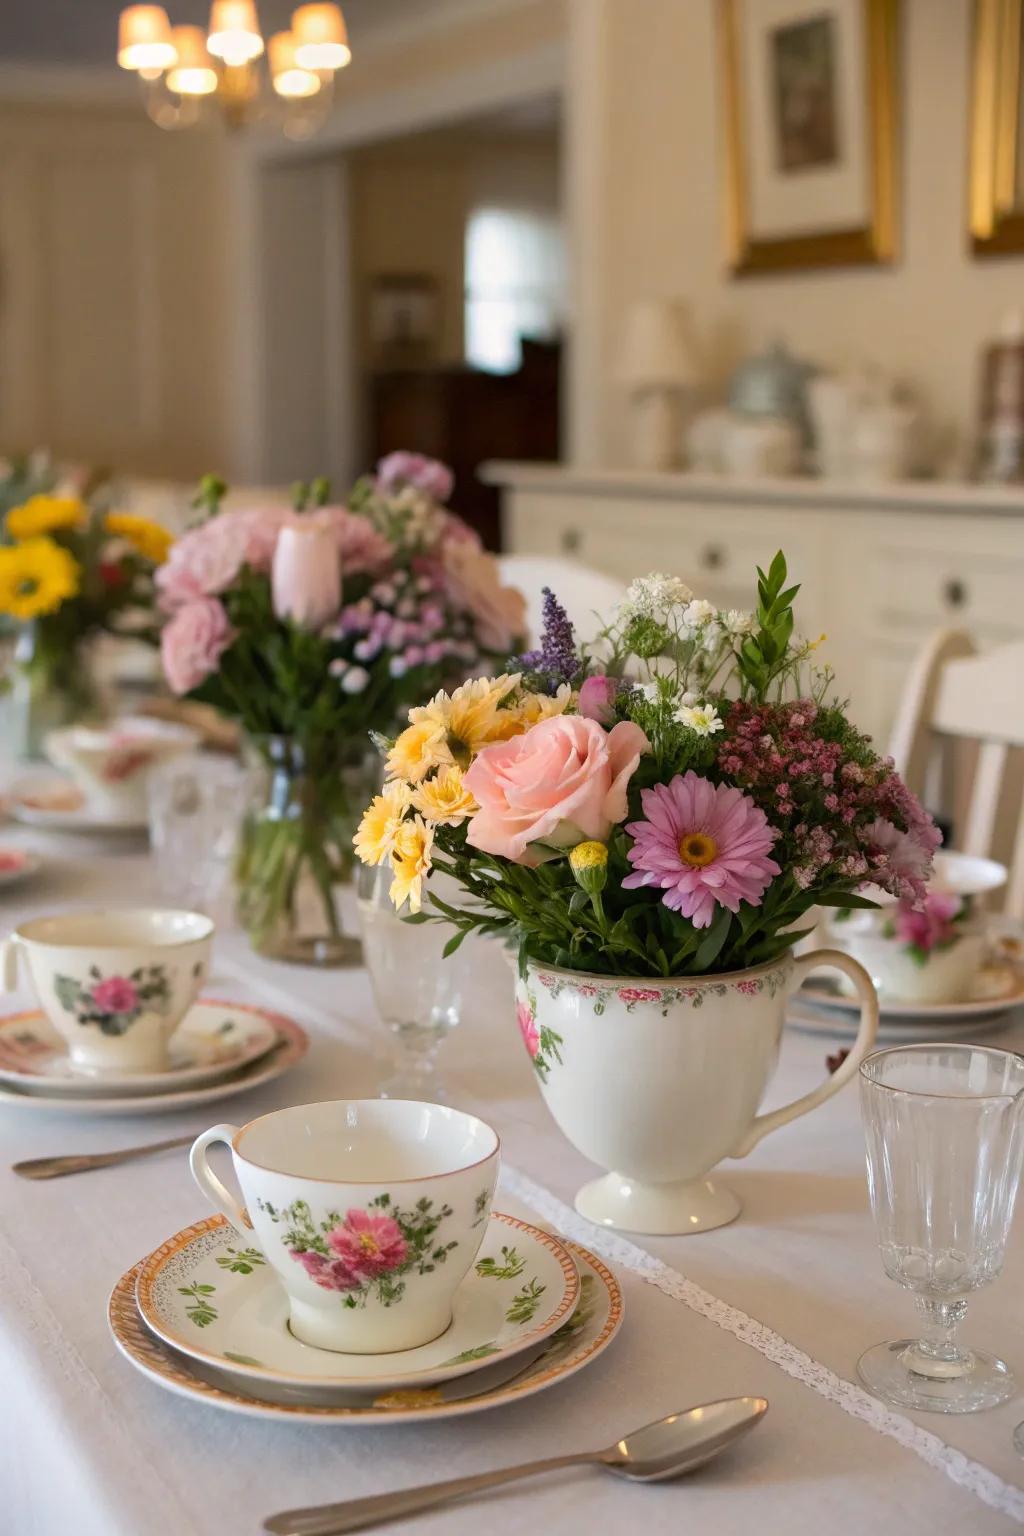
(17,864)
(998,987)
(290,1045)
(833,1024)
(575,1344)
(58,805)
(212,1040)
(212,1296)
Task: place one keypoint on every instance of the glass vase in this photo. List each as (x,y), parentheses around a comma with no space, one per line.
(295,849)
(49,684)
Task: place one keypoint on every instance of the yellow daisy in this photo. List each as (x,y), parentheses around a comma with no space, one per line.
(418,749)
(411,862)
(381,823)
(35,578)
(469,718)
(46,514)
(541,706)
(445,800)
(149,539)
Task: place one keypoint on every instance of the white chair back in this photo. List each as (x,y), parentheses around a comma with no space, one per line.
(587,596)
(959,744)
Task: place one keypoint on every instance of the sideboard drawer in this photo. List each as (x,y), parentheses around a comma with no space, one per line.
(930,589)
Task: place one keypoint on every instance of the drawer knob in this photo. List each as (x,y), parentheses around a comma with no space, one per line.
(954,592)
(571,541)
(712,557)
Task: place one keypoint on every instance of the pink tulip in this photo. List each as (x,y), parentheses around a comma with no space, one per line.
(597,698)
(306,574)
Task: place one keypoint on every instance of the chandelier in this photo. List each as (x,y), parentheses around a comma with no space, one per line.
(290,79)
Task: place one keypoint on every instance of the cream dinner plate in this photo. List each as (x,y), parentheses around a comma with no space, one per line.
(290,1045)
(576,1343)
(211,1295)
(212,1040)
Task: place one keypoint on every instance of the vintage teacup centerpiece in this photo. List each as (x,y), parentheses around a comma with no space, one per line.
(370,1211)
(111,763)
(114,984)
(925,952)
(649,819)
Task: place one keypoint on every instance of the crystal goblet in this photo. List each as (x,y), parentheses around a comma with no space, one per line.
(944,1150)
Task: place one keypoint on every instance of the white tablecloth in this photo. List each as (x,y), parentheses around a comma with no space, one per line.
(781,1303)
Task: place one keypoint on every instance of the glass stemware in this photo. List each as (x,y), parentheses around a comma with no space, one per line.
(419,993)
(195,814)
(944,1150)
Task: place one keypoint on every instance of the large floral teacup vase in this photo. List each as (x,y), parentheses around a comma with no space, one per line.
(657,1081)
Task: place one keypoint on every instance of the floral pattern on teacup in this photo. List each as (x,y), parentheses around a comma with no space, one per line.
(113,1003)
(365,1253)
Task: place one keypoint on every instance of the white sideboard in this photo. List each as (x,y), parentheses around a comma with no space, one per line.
(882,567)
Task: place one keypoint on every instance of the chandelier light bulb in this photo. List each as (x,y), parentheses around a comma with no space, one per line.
(290,81)
(321,37)
(234,32)
(193,74)
(144,40)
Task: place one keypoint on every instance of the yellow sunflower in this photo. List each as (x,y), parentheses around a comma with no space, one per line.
(469,718)
(149,539)
(35,578)
(381,823)
(411,862)
(46,514)
(445,800)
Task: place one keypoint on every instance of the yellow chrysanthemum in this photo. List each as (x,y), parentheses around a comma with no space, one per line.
(411,862)
(419,749)
(45,514)
(35,578)
(535,707)
(381,823)
(469,718)
(149,539)
(445,800)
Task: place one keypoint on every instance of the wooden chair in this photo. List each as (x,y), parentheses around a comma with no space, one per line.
(959,744)
(588,596)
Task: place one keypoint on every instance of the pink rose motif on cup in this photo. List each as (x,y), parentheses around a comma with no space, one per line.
(562,781)
(372,1254)
(639,995)
(528,1029)
(113,1003)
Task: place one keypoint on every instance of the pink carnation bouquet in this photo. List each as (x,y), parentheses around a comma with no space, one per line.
(315,625)
(669,802)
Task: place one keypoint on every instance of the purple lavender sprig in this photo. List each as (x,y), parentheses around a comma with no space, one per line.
(557,660)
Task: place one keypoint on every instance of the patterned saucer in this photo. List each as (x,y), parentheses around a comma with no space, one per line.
(291,1044)
(17,864)
(998,987)
(212,1040)
(57,805)
(211,1295)
(575,1344)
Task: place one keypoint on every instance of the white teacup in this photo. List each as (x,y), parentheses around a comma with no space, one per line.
(370,1210)
(114,984)
(111,763)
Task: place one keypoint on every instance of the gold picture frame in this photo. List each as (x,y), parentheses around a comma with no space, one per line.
(996,203)
(871,242)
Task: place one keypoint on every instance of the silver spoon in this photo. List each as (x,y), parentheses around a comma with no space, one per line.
(667,1448)
(81,1162)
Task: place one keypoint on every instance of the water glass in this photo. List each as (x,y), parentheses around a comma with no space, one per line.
(196,806)
(419,993)
(944,1151)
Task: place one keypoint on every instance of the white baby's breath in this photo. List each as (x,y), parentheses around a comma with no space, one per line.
(654,596)
(738,623)
(698,613)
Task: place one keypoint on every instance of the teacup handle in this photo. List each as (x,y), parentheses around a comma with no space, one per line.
(835,959)
(219,1196)
(9,963)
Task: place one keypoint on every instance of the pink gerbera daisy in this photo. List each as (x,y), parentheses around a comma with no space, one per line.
(704,844)
(369,1245)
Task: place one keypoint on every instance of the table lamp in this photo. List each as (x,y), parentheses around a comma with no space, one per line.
(657,370)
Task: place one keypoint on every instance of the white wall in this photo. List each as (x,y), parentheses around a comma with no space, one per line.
(654,212)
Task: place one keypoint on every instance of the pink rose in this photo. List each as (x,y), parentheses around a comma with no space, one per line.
(203,563)
(115,994)
(363,549)
(306,574)
(472,583)
(257,529)
(528,1029)
(328,1274)
(369,1245)
(192,643)
(562,781)
(428,475)
(597,698)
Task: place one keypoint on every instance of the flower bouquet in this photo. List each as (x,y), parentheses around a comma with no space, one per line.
(649,819)
(313,625)
(68,572)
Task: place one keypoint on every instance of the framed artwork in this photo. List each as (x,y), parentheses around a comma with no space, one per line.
(996,191)
(404,320)
(809,90)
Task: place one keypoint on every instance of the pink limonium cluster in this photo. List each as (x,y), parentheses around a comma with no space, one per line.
(396,591)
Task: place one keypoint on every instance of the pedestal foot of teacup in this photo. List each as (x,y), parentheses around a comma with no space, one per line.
(665,1210)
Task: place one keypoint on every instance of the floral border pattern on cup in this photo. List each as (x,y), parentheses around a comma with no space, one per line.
(113,1003)
(365,1253)
(665,994)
